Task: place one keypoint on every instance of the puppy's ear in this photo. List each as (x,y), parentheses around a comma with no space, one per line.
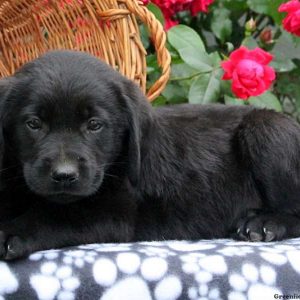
(5,87)
(139,118)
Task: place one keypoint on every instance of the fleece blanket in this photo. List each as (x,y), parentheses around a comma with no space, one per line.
(214,269)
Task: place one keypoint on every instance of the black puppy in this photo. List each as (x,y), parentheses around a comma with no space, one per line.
(86,159)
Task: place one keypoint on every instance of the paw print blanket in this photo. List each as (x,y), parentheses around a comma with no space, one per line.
(208,269)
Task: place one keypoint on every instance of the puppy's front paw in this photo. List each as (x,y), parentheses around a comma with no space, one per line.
(260,228)
(11,246)
(257,228)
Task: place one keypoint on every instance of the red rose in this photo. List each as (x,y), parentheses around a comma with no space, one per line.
(170,8)
(201,5)
(249,71)
(291,22)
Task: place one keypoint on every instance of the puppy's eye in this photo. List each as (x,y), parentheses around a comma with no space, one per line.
(94,125)
(34,124)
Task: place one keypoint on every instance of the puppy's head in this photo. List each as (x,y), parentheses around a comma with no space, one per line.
(69,120)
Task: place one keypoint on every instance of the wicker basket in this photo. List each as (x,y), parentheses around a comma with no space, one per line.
(107,29)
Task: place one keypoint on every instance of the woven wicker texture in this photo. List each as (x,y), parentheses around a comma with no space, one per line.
(107,29)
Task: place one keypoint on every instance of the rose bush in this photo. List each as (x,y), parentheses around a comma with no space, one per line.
(210,62)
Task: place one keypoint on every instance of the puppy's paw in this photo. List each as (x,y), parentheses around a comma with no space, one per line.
(260,227)
(11,246)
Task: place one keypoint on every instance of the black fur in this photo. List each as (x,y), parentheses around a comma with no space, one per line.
(134,172)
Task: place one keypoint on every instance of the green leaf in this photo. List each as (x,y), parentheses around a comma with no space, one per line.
(266,100)
(152,65)
(267,7)
(215,59)
(144,36)
(159,101)
(288,86)
(174,93)
(233,101)
(182,70)
(206,88)
(226,88)
(197,59)
(222,29)
(296,40)
(181,37)
(284,51)
(190,47)
(250,42)
(281,64)
(157,12)
(259,6)
(286,47)
(236,5)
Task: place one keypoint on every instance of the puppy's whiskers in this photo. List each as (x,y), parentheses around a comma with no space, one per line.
(8,168)
(111,175)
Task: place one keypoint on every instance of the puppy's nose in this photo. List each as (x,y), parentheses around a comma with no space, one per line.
(65,173)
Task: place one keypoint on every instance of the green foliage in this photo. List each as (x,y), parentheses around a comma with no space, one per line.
(223,29)
(157,12)
(190,48)
(267,7)
(285,51)
(199,44)
(182,37)
(266,100)
(205,89)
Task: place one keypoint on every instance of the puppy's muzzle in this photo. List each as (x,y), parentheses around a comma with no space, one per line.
(65,174)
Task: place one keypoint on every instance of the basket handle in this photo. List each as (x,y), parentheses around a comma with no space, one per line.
(159,39)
